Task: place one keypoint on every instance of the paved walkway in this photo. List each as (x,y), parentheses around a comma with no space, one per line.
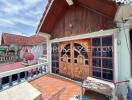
(50,85)
(23,91)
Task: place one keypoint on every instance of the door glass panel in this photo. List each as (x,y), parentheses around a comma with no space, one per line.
(84,53)
(76,54)
(86,62)
(81,54)
(65,53)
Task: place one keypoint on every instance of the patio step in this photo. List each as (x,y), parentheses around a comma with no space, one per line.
(57,76)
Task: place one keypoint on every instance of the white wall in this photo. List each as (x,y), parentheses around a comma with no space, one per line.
(124,65)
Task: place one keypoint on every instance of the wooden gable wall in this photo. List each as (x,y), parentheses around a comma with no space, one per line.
(83,20)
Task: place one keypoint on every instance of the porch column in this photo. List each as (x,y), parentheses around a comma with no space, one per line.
(49,67)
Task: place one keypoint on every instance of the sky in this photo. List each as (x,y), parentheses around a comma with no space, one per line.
(21,16)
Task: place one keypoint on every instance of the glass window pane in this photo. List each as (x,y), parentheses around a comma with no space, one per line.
(76,54)
(97,74)
(68,53)
(67,46)
(75,61)
(107,63)
(107,41)
(107,52)
(69,60)
(63,52)
(96,42)
(84,53)
(86,62)
(96,52)
(97,62)
(107,74)
(77,46)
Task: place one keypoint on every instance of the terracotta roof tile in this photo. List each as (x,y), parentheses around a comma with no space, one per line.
(22,40)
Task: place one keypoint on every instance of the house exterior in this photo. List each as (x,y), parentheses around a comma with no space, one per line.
(87,40)
(34,44)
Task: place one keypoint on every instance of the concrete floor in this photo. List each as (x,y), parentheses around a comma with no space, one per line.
(56,88)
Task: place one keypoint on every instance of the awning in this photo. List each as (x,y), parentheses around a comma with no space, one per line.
(3,49)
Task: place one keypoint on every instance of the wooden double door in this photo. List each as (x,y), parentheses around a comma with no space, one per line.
(74,59)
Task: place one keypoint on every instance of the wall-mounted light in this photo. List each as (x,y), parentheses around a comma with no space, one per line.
(70,26)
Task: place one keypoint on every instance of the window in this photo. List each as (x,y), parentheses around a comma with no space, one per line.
(102,55)
(55,58)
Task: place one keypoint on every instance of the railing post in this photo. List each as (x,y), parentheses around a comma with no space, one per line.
(18,78)
(26,76)
(44,68)
(36,71)
(41,70)
(0,83)
(10,80)
(31,73)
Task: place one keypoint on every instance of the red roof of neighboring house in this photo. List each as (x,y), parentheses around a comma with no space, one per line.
(11,66)
(22,40)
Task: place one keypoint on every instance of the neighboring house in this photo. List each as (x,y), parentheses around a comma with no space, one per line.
(34,44)
(85,37)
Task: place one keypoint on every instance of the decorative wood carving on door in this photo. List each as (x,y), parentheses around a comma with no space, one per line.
(75,59)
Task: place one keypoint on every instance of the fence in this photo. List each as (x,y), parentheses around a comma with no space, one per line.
(14,77)
(7,58)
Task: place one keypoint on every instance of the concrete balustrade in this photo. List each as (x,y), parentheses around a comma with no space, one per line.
(7,58)
(23,74)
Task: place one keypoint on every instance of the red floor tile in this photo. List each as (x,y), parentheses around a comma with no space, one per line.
(49,85)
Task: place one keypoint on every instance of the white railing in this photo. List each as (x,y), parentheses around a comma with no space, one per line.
(7,58)
(14,77)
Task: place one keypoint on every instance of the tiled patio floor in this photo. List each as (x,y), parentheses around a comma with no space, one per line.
(49,85)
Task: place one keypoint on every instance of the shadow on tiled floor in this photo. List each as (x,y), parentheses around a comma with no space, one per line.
(56,88)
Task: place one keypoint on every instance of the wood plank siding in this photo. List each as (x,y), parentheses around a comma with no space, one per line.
(82,20)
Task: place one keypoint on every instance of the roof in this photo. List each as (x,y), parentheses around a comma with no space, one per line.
(55,9)
(10,66)
(22,40)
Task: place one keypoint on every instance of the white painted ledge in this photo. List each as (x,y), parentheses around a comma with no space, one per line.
(23,91)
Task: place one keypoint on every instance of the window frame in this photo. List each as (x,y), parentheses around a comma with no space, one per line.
(101,58)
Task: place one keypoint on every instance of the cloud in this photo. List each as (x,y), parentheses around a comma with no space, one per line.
(6,22)
(23,15)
